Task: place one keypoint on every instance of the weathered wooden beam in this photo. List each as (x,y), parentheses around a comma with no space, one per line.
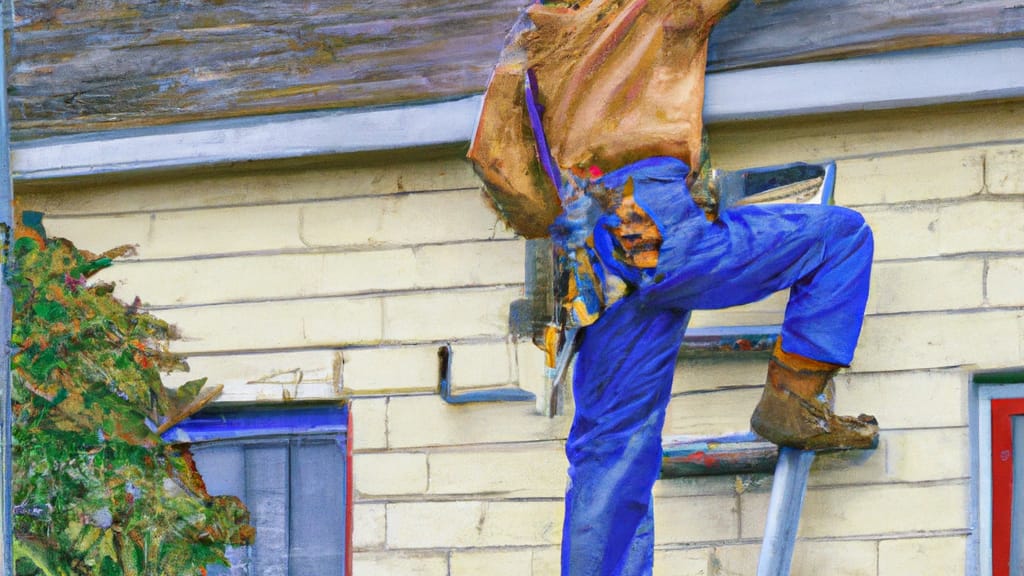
(93,65)
(785,31)
(877,82)
(90,66)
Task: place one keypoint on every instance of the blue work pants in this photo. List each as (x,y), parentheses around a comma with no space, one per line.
(623,374)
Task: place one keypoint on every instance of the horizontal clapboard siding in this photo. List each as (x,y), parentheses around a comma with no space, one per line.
(271,278)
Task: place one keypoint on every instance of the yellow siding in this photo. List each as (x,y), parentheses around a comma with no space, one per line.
(326,282)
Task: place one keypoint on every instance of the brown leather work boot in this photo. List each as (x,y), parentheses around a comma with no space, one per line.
(796,408)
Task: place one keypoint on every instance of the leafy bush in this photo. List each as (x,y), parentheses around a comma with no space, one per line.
(95,489)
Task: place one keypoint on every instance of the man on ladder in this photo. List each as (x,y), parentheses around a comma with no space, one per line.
(591,131)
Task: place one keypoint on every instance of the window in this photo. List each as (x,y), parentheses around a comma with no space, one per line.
(999,422)
(290,466)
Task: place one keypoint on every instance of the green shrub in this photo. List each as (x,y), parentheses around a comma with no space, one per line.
(95,489)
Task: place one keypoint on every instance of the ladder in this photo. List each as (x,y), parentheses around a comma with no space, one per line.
(787,500)
(748,453)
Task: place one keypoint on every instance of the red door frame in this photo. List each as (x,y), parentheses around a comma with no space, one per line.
(1003,411)
(348,494)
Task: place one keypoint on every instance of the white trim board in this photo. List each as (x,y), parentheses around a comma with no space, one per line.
(884,81)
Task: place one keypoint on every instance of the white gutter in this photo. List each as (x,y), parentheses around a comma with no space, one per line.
(882,81)
(893,80)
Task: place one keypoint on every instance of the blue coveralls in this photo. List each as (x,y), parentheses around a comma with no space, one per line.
(623,373)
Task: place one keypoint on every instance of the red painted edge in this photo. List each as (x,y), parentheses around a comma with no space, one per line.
(348,495)
(1003,411)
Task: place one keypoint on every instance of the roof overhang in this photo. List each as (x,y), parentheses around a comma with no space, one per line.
(885,81)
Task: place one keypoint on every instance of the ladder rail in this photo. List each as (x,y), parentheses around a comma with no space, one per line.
(787,500)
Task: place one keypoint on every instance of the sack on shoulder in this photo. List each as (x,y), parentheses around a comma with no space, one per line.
(504,149)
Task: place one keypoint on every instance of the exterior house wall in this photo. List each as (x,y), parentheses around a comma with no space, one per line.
(331,282)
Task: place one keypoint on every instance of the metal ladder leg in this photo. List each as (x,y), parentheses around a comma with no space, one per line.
(787,500)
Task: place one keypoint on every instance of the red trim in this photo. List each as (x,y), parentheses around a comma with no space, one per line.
(1003,411)
(348,495)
